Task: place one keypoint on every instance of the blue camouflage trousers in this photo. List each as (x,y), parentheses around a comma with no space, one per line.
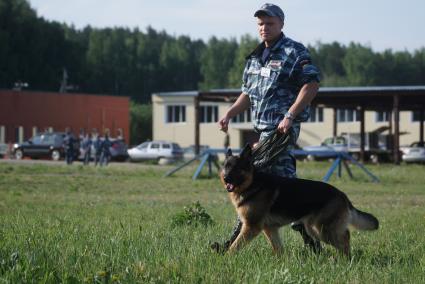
(285,164)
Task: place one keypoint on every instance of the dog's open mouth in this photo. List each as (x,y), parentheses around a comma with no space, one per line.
(230,187)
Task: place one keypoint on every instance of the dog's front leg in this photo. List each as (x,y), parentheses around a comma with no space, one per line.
(272,234)
(248,232)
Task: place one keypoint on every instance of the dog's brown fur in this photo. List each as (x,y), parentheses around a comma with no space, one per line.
(266,203)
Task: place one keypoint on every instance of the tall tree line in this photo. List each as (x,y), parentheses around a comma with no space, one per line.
(135,63)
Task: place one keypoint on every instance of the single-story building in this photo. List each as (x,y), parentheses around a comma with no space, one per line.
(395,109)
(25,113)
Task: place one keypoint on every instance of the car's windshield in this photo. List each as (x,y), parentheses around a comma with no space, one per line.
(340,140)
(328,141)
(176,146)
(48,140)
(37,139)
(58,139)
(143,145)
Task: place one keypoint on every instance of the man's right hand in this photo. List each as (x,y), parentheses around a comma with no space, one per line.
(223,123)
(241,104)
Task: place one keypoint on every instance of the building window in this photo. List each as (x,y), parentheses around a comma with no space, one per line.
(381,116)
(208,114)
(19,134)
(2,134)
(416,116)
(242,117)
(176,113)
(34,130)
(120,133)
(348,115)
(316,114)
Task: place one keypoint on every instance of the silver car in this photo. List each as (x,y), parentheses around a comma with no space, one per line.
(156,150)
(415,153)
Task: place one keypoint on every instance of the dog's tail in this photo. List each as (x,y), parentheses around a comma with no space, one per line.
(363,221)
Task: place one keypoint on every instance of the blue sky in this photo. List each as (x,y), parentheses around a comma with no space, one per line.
(380,24)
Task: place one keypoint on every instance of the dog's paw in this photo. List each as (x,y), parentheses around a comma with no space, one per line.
(215,247)
(219,248)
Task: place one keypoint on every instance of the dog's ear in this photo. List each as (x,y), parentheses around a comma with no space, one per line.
(229,153)
(246,152)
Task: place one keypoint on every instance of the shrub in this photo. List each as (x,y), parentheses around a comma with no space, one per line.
(192,215)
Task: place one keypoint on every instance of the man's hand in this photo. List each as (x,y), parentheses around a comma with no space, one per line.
(241,104)
(223,123)
(284,125)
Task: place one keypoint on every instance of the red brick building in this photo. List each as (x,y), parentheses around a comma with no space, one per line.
(24,113)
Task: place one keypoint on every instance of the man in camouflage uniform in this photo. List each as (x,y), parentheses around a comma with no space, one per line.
(279,83)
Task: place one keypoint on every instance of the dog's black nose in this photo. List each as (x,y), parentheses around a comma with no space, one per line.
(227,179)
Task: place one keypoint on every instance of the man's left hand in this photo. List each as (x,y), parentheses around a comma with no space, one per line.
(284,125)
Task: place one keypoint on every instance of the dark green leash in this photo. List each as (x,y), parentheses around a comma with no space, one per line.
(268,150)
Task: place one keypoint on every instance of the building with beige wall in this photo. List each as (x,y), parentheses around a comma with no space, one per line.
(174,119)
(312,133)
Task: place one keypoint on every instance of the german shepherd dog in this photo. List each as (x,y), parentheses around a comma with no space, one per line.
(266,202)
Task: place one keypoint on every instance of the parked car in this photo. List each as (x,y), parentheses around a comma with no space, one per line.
(375,149)
(327,149)
(415,153)
(3,150)
(317,153)
(43,145)
(156,150)
(118,151)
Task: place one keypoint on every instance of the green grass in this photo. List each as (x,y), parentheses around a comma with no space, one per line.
(76,224)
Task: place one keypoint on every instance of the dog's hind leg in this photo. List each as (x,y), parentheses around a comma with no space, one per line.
(272,235)
(311,238)
(343,243)
(340,239)
(247,234)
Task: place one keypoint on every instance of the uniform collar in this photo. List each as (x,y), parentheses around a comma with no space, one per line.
(258,51)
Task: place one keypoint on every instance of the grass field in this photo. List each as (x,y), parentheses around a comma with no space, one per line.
(75,224)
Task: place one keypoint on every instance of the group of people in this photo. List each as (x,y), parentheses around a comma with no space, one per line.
(88,143)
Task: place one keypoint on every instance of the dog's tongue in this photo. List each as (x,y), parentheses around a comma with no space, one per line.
(230,187)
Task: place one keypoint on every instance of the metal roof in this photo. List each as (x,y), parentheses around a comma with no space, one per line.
(369,98)
(372,89)
(178,94)
(359,89)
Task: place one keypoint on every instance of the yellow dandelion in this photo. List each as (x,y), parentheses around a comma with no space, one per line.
(102,273)
(115,277)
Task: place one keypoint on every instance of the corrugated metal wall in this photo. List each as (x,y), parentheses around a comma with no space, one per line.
(42,110)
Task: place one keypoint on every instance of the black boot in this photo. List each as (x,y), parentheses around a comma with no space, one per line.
(226,245)
(314,245)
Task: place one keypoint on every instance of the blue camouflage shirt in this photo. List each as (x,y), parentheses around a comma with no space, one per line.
(273,84)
